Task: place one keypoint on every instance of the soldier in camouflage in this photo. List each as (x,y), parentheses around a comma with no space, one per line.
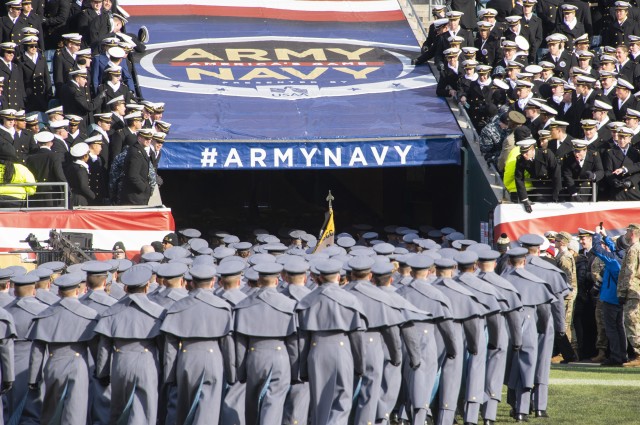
(629,290)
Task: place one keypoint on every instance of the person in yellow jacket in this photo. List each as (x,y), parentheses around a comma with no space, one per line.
(11,172)
(509,178)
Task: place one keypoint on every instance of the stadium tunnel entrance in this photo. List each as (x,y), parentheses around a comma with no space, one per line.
(239,201)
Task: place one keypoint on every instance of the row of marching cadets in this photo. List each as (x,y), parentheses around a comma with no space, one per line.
(339,335)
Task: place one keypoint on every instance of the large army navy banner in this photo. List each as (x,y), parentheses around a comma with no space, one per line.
(291,84)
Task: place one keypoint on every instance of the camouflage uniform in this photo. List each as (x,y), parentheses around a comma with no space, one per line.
(629,288)
(567,264)
(597,267)
(491,138)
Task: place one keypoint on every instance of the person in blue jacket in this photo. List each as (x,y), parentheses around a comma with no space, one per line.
(611,308)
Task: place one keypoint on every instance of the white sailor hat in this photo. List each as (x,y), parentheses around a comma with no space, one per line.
(29,31)
(43,137)
(584,38)
(534,69)
(526,144)
(440,22)
(451,52)
(522,43)
(523,83)
(607,58)
(509,44)
(583,79)
(454,14)
(568,86)
(483,69)
(484,25)
(632,113)
(547,110)
(587,124)
(84,52)
(55,110)
(622,5)
(624,84)
(81,71)
(54,125)
(133,115)
(470,64)
(118,99)
(557,123)
(625,131)
(567,7)
(487,12)
(546,65)
(74,37)
(469,50)
(513,20)
(455,39)
(79,150)
(116,52)
(553,38)
(579,144)
(29,40)
(584,54)
(500,84)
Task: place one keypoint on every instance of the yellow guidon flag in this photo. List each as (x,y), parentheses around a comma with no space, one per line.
(328,231)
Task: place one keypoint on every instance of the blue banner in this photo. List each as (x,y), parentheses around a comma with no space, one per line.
(246,80)
(305,155)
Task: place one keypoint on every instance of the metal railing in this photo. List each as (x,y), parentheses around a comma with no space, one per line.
(48,196)
(542,189)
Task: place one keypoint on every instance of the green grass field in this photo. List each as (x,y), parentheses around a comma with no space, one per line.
(589,395)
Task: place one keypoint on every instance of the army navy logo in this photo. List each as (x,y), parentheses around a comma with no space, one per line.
(287,68)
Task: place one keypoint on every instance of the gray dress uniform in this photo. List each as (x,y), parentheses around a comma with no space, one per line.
(24,405)
(468,314)
(7,370)
(335,320)
(410,336)
(476,365)
(438,340)
(63,330)
(99,394)
(511,330)
(296,406)
(128,352)
(551,319)
(232,411)
(382,332)
(198,352)
(532,293)
(266,349)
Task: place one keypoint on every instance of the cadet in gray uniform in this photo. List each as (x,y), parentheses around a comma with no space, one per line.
(24,404)
(43,285)
(336,321)
(266,348)
(232,410)
(128,353)
(409,334)
(532,292)
(199,350)
(97,299)
(172,275)
(296,406)
(511,329)
(5,277)
(476,364)
(468,315)
(7,370)
(437,338)
(381,331)
(63,330)
(551,319)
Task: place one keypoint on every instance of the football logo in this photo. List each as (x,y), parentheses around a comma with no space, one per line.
(286,68)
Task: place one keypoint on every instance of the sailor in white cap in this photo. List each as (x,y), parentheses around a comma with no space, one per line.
(114,56)
(560,143)
(625,98)
(581,170)
(65,58)
(570,25)
(620,27)
(540,164)
(560,58)
(78,175)
(75,98)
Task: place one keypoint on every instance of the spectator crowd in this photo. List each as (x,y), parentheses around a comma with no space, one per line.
(71,109)
(552,89)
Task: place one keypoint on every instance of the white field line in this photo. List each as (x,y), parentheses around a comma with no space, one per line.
(598,382)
